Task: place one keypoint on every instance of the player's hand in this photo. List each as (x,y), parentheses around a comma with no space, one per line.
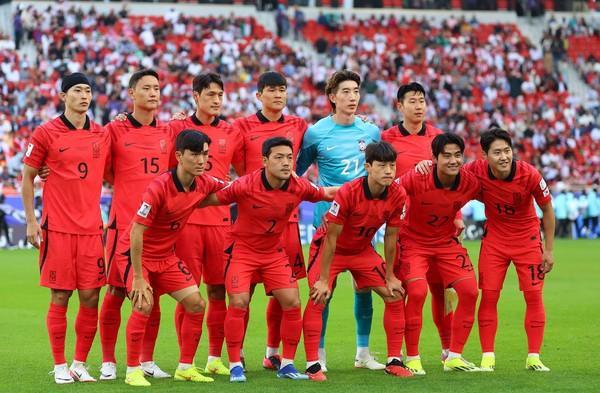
(320,292)
(44,172)
(424,167)
(178,116)
(459,223)
(394,286)
(141,293)
(547,261)
(121,117)
(34,234)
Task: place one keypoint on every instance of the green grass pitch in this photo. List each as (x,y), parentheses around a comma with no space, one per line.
(570,347)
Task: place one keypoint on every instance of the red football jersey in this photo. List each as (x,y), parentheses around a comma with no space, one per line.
(77,159)
(139,154)
(362,215)
(411,149)
(511,216)
(263,212)
(430,217)
(165,209)
(226,148)
(255,129)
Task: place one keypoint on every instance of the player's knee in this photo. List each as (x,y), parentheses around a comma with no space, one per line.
(467,291)
(89,299)
(61,298)
(145,308)
(117,291)
(417,290)
(215,292)
(238,302)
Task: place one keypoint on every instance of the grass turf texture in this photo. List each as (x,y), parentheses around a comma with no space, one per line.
(571,341)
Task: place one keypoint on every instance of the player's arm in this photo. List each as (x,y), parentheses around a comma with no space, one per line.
(320,292)
(330,193)
(34,231)
(141,291)
(548,223)
(390,240)
(210,200)
(307,155)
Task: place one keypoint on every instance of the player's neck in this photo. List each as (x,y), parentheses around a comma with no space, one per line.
(375,188)
(447,181)
(145,117)
(204,118)
(76,118)
(499,175)
(343,119)
(271,115)
(274,182)
(412,127)
(185,178)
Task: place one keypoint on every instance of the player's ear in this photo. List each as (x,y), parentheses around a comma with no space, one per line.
(399,105)
(130,92)
(178,155)
(62,96)
(265,160)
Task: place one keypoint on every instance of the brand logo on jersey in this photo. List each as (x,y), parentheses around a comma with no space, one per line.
(95,150)
(163,146)
(144,210)
(222,145)
(335,208)
(362,145)
(29,150)
(255,137)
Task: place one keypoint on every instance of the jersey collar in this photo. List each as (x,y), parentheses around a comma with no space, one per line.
(263,119)
(438,183)
(178,184)
(367,191)
(265,182)
(70,126)
(511,175)
(197,121)
(137,124)
(404,132)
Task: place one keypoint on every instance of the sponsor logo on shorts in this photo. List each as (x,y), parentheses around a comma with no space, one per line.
(52,275)
(144,210)
(234,282)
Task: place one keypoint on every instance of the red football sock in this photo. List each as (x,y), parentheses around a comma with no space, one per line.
(179,313)
(417,292)
(191,331)
(56,323)
(234,332)
(110,321)
(151,333)
(136,326)
(393,323)
(86,326)
(535,320)
(442,320)
(465,313)
(291,330)
(313,324)
(488,319)
(246,320)
(215,323)
(274,315)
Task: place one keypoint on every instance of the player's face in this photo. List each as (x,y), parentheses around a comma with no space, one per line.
(279,163)
(146,93)
(346,98)
(382,172)
(193,162)
(273,98)
(413,107)
(450,160)
(210,100)
(499,156)
(78,98)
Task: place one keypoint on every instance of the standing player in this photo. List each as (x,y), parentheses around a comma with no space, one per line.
(140,152)
(146,257)
(336,144)
(267,123)
(266,198)
(344,243)
(75,149)
(412,140)
(201,242)
(429,239)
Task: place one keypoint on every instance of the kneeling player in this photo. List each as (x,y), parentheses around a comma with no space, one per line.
(266,198)
(344,243)
(147,260)
(428,239)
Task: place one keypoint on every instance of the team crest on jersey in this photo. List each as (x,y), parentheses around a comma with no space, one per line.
(163,146)
(335,208)
(289,207)
(517,198)
(362,145)
(222,145)
(95,150)
(144,210)
(29,150)
(458,205)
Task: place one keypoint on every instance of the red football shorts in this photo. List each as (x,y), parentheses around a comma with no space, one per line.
(452,263)
(367,267)
(112,272)
(164,275)
(293,249)
(494,260)
(201,248)
(68,261)
(245,267)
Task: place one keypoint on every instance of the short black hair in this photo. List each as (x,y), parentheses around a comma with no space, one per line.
(270,79)
(192,140)
(410,87)
(203,81)
(337,79)
(491,135)
(447,138)
(135,78)
(270,143)
(380,151)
